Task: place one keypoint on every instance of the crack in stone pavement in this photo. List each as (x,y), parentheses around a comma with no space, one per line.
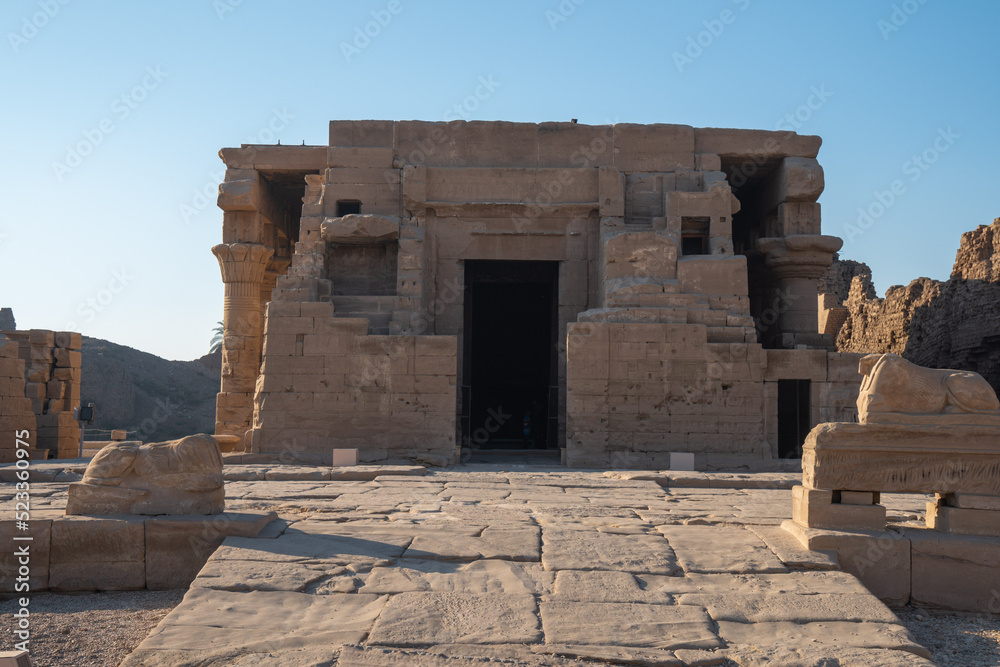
(540,568)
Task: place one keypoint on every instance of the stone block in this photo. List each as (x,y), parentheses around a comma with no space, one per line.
(880,559)
(963,521)
(68,339)
(954,571)
(68,358)
(858,498)
(40,532)
(796,365)
(178,547)
(89,553)
(972,502)
(809,510)
(713,275)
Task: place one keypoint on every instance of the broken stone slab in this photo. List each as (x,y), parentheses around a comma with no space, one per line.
(520,543)
(366,473)
(485,576)
(421,619)
(177,477)
(455,655)
(602,586)
(211,622)
(820,656)
(615,655)
(791,552)
(742,608)
(628,624)
(358,228)
(592,550)
(237,576)
(712,549)
(832,634)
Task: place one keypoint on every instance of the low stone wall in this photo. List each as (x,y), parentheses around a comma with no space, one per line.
(327,384)
(115,553)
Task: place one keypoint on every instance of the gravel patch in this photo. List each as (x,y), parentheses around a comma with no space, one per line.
(88,629)
(955,640)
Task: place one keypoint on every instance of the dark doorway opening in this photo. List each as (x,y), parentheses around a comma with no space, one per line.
(509,361)
(793,417)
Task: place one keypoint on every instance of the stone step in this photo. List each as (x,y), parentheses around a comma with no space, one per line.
(363,304)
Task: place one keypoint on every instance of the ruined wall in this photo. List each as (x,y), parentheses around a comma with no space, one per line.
(15,409)
(52,383)
(951,324)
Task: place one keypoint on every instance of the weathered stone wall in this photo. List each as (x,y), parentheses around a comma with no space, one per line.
(326,383)
(641,220)
(15,410)
(52,363)
(951,324)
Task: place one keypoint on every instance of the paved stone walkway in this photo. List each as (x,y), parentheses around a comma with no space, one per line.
(479,566)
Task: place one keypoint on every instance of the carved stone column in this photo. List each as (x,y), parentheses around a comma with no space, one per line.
(797,262)
(243,266)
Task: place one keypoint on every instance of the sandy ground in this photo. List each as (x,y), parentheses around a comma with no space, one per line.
(90,629)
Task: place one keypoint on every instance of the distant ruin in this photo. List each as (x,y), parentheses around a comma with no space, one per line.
(951,324)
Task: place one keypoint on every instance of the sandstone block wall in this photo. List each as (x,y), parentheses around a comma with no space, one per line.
(327,383)
(951,324)
(52,372)
(15,409)
(639,391)
(672,244)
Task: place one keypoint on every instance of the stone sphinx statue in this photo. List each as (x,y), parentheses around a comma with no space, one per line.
(177,477)
(895,391)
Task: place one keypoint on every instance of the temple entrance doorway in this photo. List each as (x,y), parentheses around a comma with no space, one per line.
(509,356)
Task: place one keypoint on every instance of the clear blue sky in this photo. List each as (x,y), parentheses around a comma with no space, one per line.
(102,243)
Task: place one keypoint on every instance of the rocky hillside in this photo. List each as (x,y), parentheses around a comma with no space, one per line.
(951,324)
(152,398)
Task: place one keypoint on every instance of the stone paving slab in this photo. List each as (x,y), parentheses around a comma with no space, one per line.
(628,624)
(709,549)
(422,619)
(489,566)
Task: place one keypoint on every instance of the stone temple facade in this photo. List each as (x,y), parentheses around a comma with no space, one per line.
(620,291)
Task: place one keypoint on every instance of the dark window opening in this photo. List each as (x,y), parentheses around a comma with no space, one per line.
(694,236)
(509,359)
(348,207)
(793,417)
